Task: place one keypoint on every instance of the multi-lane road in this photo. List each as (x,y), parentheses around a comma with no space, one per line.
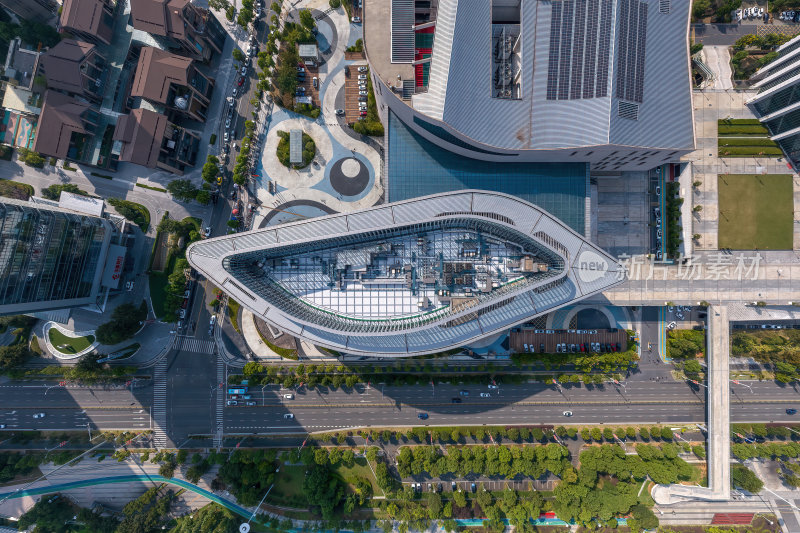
(191,404)
(71,408)
(534,404)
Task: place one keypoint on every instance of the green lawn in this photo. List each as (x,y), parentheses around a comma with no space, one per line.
(288,489)
(69,345)
(158,292)
(359,469)
(755,211)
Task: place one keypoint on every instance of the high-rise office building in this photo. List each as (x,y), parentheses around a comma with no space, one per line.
(52,258)
(777,103)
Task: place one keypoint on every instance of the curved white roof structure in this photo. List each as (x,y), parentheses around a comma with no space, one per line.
(408,278)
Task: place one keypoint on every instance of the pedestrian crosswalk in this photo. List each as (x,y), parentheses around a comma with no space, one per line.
(190,344)
(220,399)
(160,404)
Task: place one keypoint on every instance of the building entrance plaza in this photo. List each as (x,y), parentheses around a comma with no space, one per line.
(346,171)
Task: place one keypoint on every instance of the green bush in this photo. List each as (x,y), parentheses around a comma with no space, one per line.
(136,213)
(53,192)
(749,151)
(16,190)
(744,129)
(213,140)
(751,141)
(282,152)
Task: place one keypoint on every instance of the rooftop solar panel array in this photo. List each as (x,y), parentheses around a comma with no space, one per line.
(631,49)
(403,37)
(580,34)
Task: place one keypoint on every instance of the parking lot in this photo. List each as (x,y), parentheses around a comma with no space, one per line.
(351,91)
(535,338)
(307,84)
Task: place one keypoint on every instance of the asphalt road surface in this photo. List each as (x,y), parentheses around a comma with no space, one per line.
(642,402)
(73,418)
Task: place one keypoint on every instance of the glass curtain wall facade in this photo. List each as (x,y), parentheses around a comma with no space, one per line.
(48,256)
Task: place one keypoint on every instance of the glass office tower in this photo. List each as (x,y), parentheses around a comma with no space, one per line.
(49,257)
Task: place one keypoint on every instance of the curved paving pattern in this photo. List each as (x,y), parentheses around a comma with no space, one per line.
(349,176)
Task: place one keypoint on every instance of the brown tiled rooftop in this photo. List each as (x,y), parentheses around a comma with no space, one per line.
(86,16)
(141,133)
(62,65)
(60,117)
(159,17)
(155,72)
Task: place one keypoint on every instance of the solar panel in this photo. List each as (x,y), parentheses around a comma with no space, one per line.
(590,59)
(580,31)
(565,54)
(603,49)
(402,31)
(631,41)
(555,41)
(578,49)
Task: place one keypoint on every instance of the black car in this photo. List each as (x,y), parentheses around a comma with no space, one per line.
(456,400)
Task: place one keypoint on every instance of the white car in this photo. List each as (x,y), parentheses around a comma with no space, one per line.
(38,415)
(672,325)
(362,93)
(234,92)
(362,69)
(567,413)
(129,286)
(493,386)
(228,122)
(356,20)
(288,396)
(340,112)
(362,76)
(244,71)
(227,136)
(213,320)
(288,415)
(485,395)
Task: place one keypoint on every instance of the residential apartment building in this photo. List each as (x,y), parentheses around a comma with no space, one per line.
(75,68)
(172,82)
(65,128)
(89,20)
(149,139)
(777,103)
(21,64)
(180,25)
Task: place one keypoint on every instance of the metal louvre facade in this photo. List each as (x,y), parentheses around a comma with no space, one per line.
(252,267)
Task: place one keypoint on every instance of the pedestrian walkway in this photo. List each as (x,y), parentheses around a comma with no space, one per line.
(160,404)
(220,399)
(190,344)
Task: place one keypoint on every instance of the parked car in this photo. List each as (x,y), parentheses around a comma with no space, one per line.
(362,93)
(207,231)
(362,69)
(455,400)
(362,76)
(251,403)
(356,20)
(340,112)
(493,386)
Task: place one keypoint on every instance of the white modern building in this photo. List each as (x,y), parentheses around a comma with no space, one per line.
(411,277)
(777,103)
(604,82)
